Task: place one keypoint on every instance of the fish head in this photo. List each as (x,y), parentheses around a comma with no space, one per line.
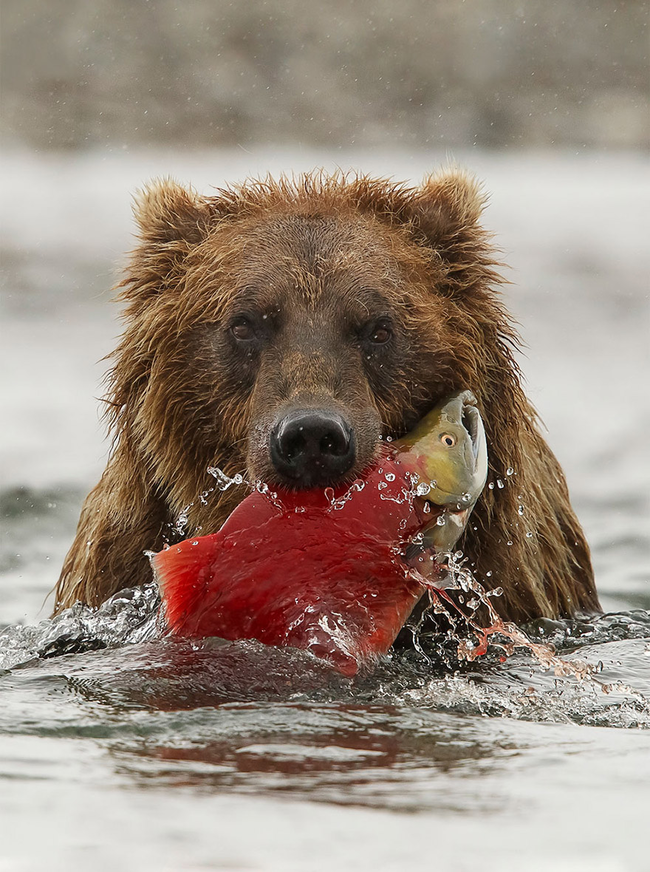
(448,450)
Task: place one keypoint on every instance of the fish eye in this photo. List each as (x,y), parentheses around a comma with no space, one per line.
(448,439)
(242,329)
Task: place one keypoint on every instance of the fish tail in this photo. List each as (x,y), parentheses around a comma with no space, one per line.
(182,572)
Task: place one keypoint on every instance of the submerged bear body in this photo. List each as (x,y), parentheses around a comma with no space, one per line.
(282,330)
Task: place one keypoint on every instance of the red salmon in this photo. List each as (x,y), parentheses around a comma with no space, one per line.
(323,570)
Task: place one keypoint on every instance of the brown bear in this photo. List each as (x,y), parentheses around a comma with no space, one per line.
(282,329)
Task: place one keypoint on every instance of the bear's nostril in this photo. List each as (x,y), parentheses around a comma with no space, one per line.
(292,445)
(336,443)
(312,446)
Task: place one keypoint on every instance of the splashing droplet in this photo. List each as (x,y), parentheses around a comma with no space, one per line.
(224,481)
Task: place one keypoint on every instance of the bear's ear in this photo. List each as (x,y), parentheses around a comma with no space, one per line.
(166,212)
(444,213)
(171,220)
(447,207)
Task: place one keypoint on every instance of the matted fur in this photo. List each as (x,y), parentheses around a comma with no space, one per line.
(177,403)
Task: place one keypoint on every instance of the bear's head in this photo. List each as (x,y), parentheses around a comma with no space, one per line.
(282,329)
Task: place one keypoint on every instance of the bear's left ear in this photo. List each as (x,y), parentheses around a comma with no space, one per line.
(447,206)
(445,214)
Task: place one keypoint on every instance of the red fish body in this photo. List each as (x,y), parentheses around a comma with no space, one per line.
(320,570)
(304,569)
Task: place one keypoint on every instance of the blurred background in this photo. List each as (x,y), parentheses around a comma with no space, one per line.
(409,73)
(546,102)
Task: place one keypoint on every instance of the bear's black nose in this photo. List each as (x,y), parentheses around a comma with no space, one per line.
(312,447)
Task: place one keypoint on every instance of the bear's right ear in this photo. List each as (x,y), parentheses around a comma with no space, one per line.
(166,212)
(171,220)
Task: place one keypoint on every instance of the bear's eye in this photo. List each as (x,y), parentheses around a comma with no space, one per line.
(380,333)
(242,330)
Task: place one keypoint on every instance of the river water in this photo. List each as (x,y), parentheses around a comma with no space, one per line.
(148,754)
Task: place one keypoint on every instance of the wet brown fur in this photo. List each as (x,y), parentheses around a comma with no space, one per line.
(310,253)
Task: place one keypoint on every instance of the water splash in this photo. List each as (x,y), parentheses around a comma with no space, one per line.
(338,503)
(131,616)
(178,528)
(474,637)
(223,481)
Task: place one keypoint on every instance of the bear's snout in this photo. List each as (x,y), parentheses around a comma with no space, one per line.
(311,447)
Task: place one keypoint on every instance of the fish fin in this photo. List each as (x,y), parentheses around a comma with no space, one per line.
(182,573)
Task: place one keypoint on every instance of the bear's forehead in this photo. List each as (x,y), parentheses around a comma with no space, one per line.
(317,241)
(315,258)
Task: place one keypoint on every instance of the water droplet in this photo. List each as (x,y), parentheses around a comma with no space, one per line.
(520,510)
(382,485)
(441,520)
(390,476)
(491,485)
(466,498)
(509,542)
(529,535)
(509,471)
(489,573)
(422,489)
(426,508)
(223,481)
(500,484)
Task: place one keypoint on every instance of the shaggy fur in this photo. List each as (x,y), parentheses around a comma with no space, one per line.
(315,262)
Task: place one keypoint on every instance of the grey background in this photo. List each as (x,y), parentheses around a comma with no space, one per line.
(438,73)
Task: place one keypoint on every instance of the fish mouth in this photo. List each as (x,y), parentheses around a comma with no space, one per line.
(471,421)
(465,413)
